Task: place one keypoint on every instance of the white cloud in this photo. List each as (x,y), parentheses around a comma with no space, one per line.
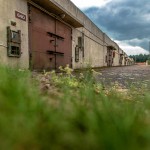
(89,3)
(131,50)
(129,46)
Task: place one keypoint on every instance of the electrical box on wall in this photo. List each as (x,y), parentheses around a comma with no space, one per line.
(76,54)
(13,43)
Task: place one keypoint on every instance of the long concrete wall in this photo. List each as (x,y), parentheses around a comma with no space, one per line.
(7,14)
(95,41)
(93,49)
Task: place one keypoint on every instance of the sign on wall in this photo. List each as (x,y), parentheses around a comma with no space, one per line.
(20,16)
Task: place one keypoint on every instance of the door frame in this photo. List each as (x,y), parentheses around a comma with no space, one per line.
(32,4)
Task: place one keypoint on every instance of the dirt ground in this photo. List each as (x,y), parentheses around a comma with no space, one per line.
(137,75)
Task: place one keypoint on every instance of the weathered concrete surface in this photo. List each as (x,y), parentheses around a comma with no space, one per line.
(7,14)
(137,75)
(95,42)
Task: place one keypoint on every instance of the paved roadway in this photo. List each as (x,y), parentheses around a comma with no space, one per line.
(137,75)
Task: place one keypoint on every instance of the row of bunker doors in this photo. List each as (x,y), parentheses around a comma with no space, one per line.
(50,41)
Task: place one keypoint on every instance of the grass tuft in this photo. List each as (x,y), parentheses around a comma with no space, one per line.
(81,116)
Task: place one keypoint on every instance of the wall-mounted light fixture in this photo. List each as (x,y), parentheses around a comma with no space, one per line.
(62,16)
(13,23)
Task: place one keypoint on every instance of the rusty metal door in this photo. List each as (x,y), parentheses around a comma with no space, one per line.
(125,61)
(120,59)
(49,41)
(110,58)
(64,45)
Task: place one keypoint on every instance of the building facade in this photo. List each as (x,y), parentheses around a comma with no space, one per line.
(51,33)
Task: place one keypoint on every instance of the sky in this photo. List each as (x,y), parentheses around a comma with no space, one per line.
(127,22)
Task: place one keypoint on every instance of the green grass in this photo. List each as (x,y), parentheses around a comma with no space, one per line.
(80,115)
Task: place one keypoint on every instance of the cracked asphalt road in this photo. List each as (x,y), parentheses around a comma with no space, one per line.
(137,75)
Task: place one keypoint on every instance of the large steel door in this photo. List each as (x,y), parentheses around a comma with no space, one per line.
(110,58)
(50,41)
(64,45)
(120,59)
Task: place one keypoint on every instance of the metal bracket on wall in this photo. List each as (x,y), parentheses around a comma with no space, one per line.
(55,53)
(3,45)
(55,36)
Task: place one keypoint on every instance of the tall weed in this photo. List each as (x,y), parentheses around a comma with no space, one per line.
(85,116)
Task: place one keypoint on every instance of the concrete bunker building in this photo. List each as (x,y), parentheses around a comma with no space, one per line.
(46,34)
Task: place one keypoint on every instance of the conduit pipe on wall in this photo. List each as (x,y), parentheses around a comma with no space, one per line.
(3,45)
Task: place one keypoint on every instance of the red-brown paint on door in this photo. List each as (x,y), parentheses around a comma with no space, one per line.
(50,41)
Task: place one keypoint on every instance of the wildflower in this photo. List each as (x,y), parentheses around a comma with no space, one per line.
(81,76)
(21,70)
(61,68)
(68,70)
(95,72)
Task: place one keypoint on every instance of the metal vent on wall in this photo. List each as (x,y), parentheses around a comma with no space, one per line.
(13,43)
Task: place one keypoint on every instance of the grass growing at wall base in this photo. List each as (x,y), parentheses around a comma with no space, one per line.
(80,116)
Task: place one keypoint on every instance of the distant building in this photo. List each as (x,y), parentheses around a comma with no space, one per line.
(46,34)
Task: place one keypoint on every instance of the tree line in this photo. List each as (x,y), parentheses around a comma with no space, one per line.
(140,57)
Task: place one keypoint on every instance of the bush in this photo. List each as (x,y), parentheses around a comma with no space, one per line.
(82,117)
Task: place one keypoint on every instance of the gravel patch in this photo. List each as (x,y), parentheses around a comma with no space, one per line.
(137,75)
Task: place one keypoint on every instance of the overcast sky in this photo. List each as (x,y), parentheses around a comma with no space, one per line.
(127,22)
